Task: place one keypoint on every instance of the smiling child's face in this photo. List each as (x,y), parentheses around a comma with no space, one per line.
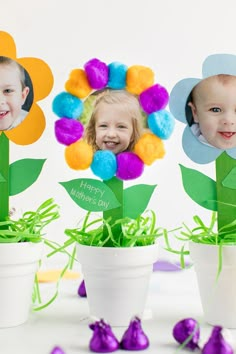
(214,108)
(113,128)
(12,96)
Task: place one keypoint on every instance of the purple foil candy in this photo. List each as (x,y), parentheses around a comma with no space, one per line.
(97,73)
(57,350)
(154,99)
(216,343)
(134,337)
(129,166)
(187,329)
(103,339)
(82,289)
(68,131)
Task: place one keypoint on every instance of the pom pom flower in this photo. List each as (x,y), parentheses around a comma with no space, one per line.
(153,98)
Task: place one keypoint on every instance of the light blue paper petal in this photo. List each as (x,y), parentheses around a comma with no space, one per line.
(219,64)
(179,96)
(198,152)
(232,153)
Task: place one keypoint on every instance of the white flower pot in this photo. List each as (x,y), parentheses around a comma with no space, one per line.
(218,297)
(117,280)
(18,265)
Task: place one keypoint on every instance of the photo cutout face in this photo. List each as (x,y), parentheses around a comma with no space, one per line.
(114,120)
(16,93)
(211,111)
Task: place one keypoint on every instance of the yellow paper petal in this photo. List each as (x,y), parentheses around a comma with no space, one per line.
(40,74)
(139,78)
(30,130)
(53,275)
(7,45)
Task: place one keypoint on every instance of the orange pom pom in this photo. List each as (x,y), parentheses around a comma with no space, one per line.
(78,84)
(139,78)
(149,148)
(79,155)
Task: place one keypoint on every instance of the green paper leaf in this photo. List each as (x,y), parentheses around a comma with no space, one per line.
(230,179)
(91,194)
(200,188)
(136,199)
(23,173)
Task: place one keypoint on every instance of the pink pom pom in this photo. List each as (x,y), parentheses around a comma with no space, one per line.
(154,98)
(68,131)
(97,73)
(129,166)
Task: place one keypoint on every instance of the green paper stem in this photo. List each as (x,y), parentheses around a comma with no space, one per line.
(116,185)
(4,177)
(226,197)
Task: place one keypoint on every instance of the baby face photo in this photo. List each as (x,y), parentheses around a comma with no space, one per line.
(213,106)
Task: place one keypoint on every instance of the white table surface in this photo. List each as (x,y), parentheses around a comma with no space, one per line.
(172,296)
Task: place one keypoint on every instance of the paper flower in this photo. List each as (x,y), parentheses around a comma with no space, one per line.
(213,65)
(31,129)
(153,98)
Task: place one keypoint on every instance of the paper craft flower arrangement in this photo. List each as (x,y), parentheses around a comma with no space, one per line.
(219,195)
(18,176)
(69,130)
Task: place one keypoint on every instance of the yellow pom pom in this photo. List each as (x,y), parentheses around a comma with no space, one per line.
(78,84)
(149,148)
(139,78)
(79,155)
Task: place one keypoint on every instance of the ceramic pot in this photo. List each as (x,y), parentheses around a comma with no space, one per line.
(218,296)
(18,265)
(117,280)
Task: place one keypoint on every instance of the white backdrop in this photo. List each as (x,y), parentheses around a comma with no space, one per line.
(172,37)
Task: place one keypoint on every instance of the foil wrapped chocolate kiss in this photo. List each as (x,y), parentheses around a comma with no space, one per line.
(187,333)
(104,341)
(216,344)
(134,337)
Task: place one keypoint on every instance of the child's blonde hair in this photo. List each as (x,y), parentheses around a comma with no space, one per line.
(11,62)
(129,102)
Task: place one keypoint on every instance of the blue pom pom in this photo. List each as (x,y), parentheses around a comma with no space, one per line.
(104,164)
(67,105)
(117,75)
(161,123)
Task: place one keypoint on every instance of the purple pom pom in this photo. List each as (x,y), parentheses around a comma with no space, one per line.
(154,98)
(97,73)
(57,350)
(134,338)
(187,329)
(68,131)
(129,166)
(82,289)
(103,339)
(216,343)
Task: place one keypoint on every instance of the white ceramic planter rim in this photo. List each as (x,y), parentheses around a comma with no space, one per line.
(115,255)
(21,252)
(209,253)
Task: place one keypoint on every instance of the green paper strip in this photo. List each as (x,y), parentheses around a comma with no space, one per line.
(4,180)
(116,185)
(226,197)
